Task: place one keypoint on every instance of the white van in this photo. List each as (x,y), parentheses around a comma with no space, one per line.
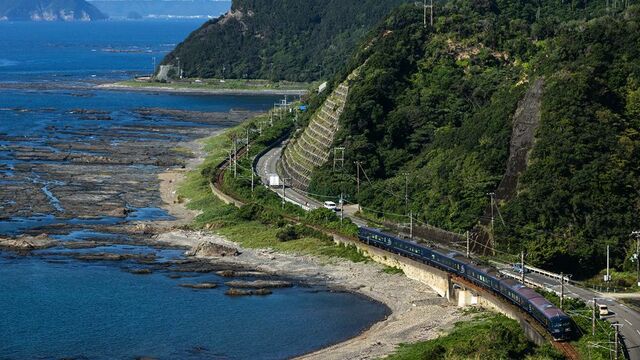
(330,205)
(604,309)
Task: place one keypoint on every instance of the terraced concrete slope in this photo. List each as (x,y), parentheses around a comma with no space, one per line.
(312,149)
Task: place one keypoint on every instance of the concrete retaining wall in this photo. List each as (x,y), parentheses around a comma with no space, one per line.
(443,284)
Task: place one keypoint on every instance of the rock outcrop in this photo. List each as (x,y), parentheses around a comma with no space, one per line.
(209,249)
(28,243)
(244,292)
(259,284)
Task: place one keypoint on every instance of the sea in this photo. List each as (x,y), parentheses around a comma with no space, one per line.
(53,305)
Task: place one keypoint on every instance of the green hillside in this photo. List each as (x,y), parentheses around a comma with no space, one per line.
(49,10)
(279,40)
(438,104)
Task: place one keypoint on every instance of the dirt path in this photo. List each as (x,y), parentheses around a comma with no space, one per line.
(171,179)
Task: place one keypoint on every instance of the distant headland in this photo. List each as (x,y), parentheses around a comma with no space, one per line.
(49,10)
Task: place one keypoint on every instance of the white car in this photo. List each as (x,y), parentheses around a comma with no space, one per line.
(604,310)
(330,205)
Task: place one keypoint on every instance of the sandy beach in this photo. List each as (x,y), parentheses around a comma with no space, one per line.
(417,313)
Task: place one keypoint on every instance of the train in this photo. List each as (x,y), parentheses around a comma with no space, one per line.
(554,320)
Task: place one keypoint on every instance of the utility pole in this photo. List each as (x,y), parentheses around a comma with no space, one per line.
(608,276)
(431,9)
(637,255)
(337,159)
(284,190)
(522,266)
(424,18)
(617,340)
(358,185)
(593,318)
(468,252)
(235,156)
(284,193)
(252,183)
(179,68)
(425,6)
(411,224)
(491,195)
(341,209)
(406,192)
(561,291)
(248,145)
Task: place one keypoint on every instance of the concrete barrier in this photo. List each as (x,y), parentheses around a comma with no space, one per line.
(453,288)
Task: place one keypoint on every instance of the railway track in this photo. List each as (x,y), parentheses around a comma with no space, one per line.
(564,347)
(567,349)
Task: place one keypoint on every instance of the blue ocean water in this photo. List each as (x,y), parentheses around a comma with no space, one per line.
(55,306)
(62,52)
(97,311)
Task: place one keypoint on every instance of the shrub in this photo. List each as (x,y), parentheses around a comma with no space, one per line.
(321,216)
(250,211)
(288,233)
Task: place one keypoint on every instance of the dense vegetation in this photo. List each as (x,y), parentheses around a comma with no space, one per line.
(437,105)
(261,223)
(488,336)
(282,40)
(49,10)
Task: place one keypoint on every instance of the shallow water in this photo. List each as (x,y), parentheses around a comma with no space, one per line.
(98,311)
(54,304)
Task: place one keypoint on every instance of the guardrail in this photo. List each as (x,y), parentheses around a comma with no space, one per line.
(276,142)
(536,270)
(547,273)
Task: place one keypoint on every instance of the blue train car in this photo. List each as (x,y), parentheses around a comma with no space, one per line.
(554,320)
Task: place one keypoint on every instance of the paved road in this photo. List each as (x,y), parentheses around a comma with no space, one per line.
(629,318)
(267,165)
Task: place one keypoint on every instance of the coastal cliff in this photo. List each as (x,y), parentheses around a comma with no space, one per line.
(49,10)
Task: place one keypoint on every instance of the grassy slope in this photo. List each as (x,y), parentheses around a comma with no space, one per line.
(224,218)
(501,338)
(487,336)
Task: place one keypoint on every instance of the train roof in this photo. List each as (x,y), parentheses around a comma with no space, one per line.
(547,308)
(522,290)
(472,264)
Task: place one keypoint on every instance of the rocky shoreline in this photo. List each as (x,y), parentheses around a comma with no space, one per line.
(415,312)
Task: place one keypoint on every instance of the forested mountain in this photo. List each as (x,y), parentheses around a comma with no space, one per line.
(298,40)
(438,104)
(49,10)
